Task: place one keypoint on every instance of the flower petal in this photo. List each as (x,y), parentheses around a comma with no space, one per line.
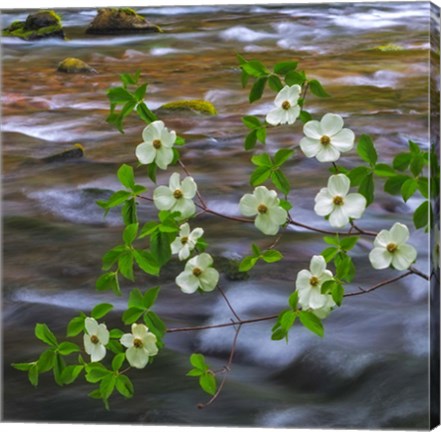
(176,245)
(168,138)
(343,141)
(88,345)
(302,280)
(98,352)
(188,282)
(324,204)
(149,344)
(310,147)
(275,116)
(174,181)
(127,340)
(383,239)
(282,96)
(248,205)
(292,114)
(354,205)
(313,130)
(316,299)
(331,124)
(153,131)
(264,223)
(184,206)
(184,253)
(184,230)
(339,184)
(404,256)
(338,218)
(318,265)
(164,157)
(203,261)
(196,234)
(103,334)
(189,187)
(163,198)
(380,258)
(278,215)
(294,94)
(91,326)
(209,279)
(139,330)
(145,152)
(328,153)
(137,357)
(399,233)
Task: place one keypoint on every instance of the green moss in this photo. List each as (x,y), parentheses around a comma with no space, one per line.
(53,14)
(74,65)
(389,47)
(200,106)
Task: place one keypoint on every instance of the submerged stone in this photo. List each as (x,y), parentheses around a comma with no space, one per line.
(120,20)
(74,65)
(76,152)
(195,105)
(39,25)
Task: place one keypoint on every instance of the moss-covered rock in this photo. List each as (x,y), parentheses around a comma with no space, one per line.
(120,20)
(196,105)
(39,25)
(389,47)
(74,65)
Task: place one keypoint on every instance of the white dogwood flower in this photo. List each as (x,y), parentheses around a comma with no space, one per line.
(96,337)
(309,284)
(198,273)
(287,109)
(337,203)
(265,204)
(157,145)
(140,344)
(178,196)
(186,241)
(326,139)
(391,248)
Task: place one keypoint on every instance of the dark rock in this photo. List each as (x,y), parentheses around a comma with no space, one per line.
(76,152)
(120,20)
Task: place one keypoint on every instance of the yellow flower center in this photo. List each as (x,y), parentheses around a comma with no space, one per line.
(262,209)
(184,240)
(177,194)
(137,343)
(197,271)
(325,140)
(94,339)
(157,144)
(314,281)
(338,200)
(286,105)
(392,247)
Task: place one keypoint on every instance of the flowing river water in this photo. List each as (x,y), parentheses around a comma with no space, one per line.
(371,368)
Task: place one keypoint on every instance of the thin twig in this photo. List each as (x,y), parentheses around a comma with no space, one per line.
(228,303)
(198,194)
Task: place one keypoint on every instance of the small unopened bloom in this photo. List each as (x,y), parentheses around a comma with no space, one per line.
(157,146)
(95,338)
(265,205)
(335,202)
(186,241)
(326,139)
(198,273)
(140,344)
(391,248)
(287,109)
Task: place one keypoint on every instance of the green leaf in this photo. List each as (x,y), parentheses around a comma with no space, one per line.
(43,333)
(417,164)
(332,240)
(317,89)
(128,79)
(366,150)
(261,135)
(337,293)
(305,117)
(23,366)
(111,256)
(280,181)
(118,361)
(329,253)
(132,315)
(251,122)
(367,187)
(146,262)
(108,281)
(155,325)
(71,373)
(347,243)
(33,375)
(254,68)
(414,148)
(46,360)
(126,176)
(118,95)
(151,172)
(251,140)
(287,319)
(357,175)
(286,205)
(116,334)
(145,114)
(393,184)
(59,366)
(136,299)
(125,265)
(140,92)
(256,250)
(107,386)
(129,233)
(160,247)
(423,186)
(244,77)
(384,170)
(284,67)
(312,323)
(260,175)
(96,372)
(262,160)
(124,386)
(271,256)
(278,334)
(345,269)
(274,83)
(75,326)
(194,372)
(148,228)
(295,77)
(327,286)
(208,383)
(257,89)
(115,199)
(282,156)
(101,310)
(293,299)
(247,263)
(150,297)
(401,161)
(198,361)
(66,348)
(408,188)
(421,215)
